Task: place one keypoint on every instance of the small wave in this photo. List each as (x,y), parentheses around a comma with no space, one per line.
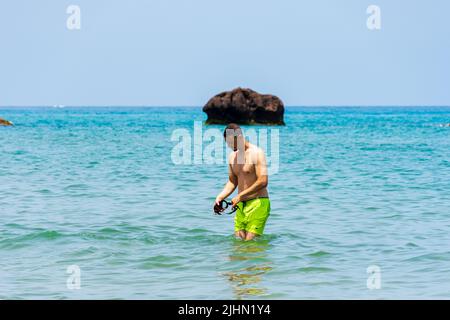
(78,186)
(44,191)
(82,252)
(39,235)
(411,244)
(109,231)
(113,234)
(46,235)
(445,256)
(315,269)
(161,261)
(199,231)
(14,225)
(319,254)
(356,232)
(211,239)
(19,152)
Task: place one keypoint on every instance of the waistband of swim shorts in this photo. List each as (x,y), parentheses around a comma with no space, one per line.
(244,202)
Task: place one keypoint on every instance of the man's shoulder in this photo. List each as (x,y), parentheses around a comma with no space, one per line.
(257,150)
(256,154)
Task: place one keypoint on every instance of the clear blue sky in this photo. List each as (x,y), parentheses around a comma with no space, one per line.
(181,52)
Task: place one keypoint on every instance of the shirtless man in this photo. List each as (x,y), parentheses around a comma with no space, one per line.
(247,170)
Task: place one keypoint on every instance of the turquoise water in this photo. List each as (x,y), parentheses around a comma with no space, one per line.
(96,188)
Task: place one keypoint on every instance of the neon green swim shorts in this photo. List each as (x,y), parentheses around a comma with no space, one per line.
(252,215)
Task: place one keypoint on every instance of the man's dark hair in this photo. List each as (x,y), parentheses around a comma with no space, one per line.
(236,130)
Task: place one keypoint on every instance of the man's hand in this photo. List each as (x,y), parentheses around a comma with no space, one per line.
(236,200)
(217,206)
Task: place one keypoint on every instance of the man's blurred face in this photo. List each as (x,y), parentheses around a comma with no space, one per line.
(234,140)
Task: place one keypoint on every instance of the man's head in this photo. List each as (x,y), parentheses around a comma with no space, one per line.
(233,136)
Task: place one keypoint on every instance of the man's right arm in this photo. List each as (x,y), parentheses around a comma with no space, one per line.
(229,188)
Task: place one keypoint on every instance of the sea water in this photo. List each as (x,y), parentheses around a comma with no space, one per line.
(92,206)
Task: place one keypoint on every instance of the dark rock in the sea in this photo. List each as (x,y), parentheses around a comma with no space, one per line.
(244,106)
(4,122)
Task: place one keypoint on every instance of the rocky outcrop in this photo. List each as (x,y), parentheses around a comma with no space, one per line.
(4,122)
(244,106)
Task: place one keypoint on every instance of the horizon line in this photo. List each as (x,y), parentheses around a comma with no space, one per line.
(196,106)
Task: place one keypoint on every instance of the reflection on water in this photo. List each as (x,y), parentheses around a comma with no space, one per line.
(249,264)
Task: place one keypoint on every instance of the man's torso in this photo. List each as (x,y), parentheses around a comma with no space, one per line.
(244,169)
